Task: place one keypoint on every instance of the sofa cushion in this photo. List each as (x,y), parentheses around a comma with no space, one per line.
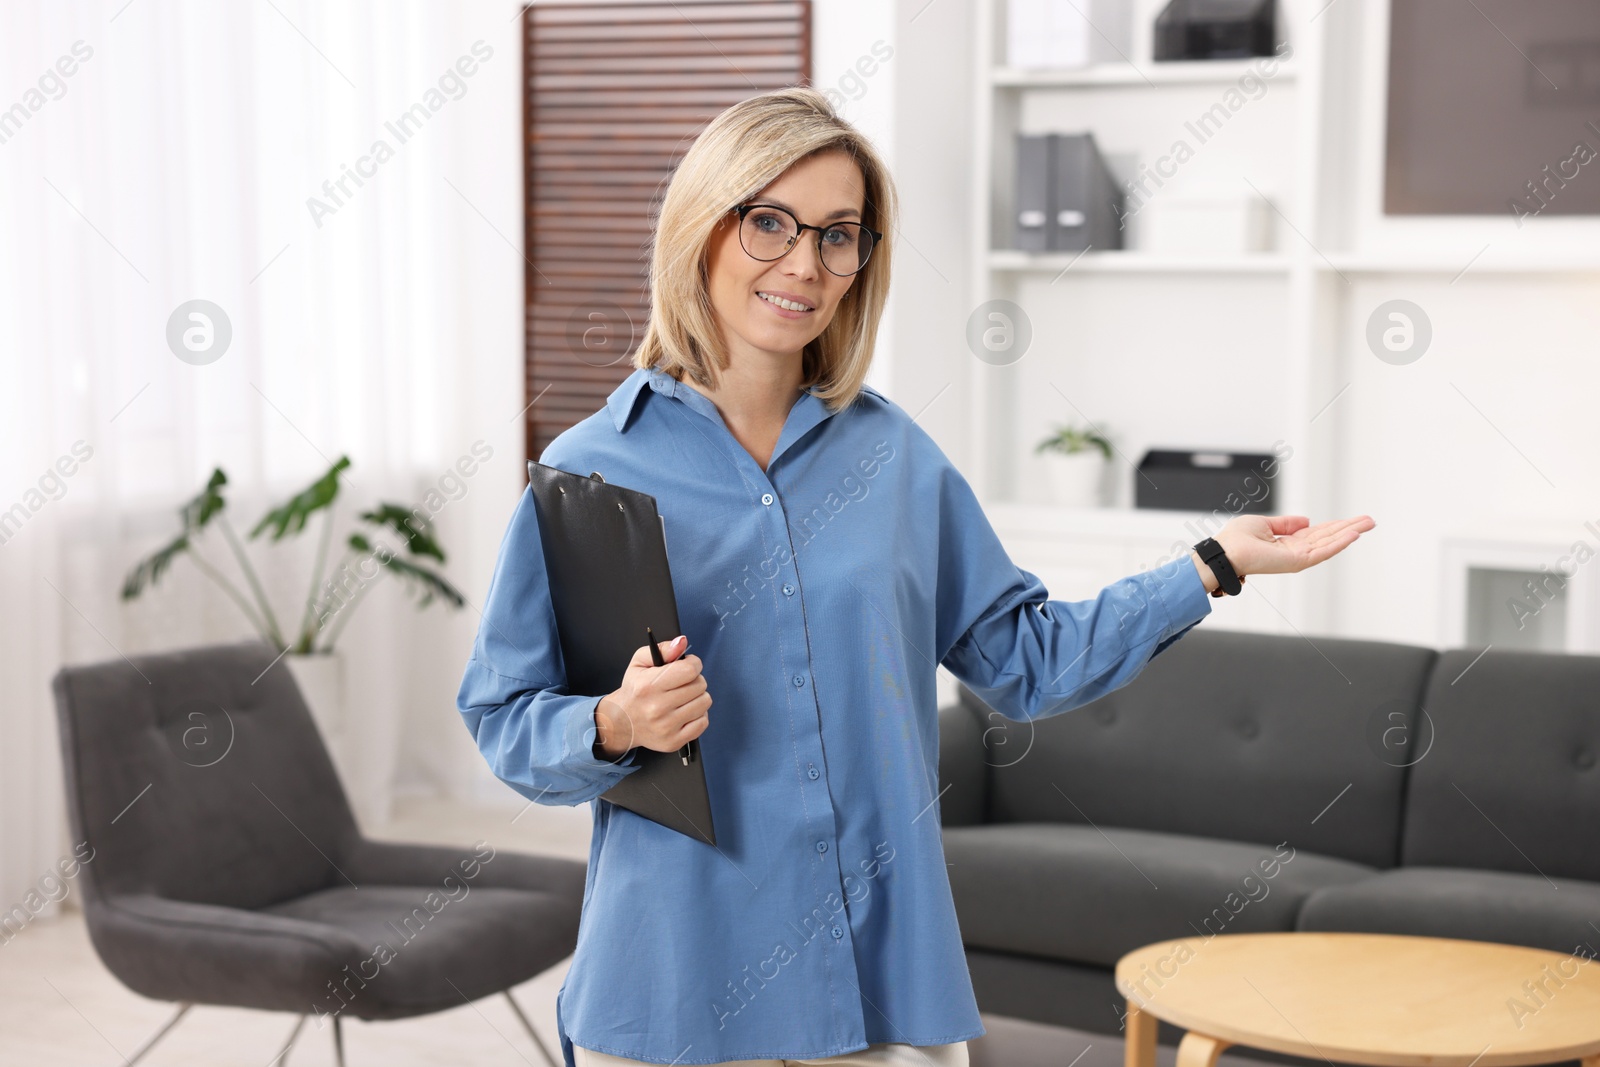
(963,769)
(1240,736)
(1091,895)
(1511,781)
(1518,909)
(418,940)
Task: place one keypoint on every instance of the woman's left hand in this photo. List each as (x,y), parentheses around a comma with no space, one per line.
(1284,544)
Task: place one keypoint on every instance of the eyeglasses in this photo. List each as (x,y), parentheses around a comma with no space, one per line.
(768,232)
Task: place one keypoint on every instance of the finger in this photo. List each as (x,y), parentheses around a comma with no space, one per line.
(1337,528)
(681,686)
(697,710)
(691,730)
(1286,524)
(1331,548)
(670,651)
(680,672)
(1321,530)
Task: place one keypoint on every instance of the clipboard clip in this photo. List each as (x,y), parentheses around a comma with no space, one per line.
(593,474)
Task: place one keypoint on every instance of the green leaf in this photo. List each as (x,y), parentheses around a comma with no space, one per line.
(404,523)
(1069,440)
(290,517)
(427,583)
(424,581)
(209,503)
(150,569)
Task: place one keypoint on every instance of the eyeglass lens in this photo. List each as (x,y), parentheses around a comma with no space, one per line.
(767,233)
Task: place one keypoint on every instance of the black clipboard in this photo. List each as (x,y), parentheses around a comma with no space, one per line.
(605,552)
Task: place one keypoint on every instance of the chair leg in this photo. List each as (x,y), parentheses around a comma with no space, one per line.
(183,1008)
(338,1043)
(283,1057)
(526,1025)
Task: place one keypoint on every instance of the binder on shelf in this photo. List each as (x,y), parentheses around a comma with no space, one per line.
(1034,181)
(1088,201)
(1067,200)
(605,553)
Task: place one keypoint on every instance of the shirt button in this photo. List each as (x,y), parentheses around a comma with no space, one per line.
(837,932)
(766,498)
(788,590)
(822,846)
(813,772)
(799,680)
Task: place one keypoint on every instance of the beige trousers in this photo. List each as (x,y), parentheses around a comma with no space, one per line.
(883,1055)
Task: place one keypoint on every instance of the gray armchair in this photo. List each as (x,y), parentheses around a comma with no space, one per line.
(227,867)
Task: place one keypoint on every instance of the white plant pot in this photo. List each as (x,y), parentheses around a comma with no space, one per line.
(1075,478)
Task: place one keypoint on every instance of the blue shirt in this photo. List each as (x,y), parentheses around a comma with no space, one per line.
(820,594)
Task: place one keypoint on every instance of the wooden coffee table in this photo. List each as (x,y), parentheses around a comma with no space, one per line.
(1362,998)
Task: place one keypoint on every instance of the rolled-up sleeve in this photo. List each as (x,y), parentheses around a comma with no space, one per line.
(1031,657)
(537,737)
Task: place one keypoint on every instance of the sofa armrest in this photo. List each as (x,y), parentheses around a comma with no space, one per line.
(963,770)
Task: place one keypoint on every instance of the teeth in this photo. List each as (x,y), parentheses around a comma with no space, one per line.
(788,304)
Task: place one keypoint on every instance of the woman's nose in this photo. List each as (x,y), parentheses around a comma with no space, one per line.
(805,260)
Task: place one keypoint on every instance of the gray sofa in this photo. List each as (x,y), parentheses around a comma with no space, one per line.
(1387,788)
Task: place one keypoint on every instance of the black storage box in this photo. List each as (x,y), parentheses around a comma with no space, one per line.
(1239,483)
(1216,29)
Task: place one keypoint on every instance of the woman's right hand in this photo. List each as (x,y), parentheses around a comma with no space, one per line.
(660,708)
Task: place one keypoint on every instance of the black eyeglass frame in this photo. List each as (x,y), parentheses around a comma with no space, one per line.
(800,229)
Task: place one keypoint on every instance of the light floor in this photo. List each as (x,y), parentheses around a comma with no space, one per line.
(59,1006)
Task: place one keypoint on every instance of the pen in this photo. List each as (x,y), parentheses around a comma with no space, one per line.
(655,655)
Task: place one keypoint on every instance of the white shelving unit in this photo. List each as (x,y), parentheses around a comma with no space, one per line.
(1136,111)
(1263,346)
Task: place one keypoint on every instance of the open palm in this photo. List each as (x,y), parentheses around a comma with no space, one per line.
(1284,544)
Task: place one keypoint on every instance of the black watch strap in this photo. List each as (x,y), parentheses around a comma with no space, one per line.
(1228,581)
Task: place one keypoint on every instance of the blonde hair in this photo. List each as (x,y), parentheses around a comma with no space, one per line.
(741,152)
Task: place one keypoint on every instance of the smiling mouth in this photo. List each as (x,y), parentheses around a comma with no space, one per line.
(787,305)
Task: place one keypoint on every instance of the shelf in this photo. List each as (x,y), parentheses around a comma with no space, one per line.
(1134,262)
(1453,264)
(1214,72)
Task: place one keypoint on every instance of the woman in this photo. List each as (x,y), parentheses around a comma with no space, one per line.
(826,556)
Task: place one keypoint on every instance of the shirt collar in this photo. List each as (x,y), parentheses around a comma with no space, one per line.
(808,410)
(625,397)
(621,401)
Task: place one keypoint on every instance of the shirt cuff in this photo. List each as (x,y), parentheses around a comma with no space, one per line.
(1181,593)
(580,738)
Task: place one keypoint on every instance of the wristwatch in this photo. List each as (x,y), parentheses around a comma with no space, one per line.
(1229,583)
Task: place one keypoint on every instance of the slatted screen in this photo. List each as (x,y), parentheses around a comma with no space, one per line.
(615,94)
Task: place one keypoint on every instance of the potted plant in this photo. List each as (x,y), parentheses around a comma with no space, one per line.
(364,557)
(1075,459)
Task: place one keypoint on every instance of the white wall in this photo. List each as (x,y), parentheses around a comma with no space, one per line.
(482,395)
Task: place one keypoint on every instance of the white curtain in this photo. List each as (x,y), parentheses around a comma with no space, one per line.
(154,153)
